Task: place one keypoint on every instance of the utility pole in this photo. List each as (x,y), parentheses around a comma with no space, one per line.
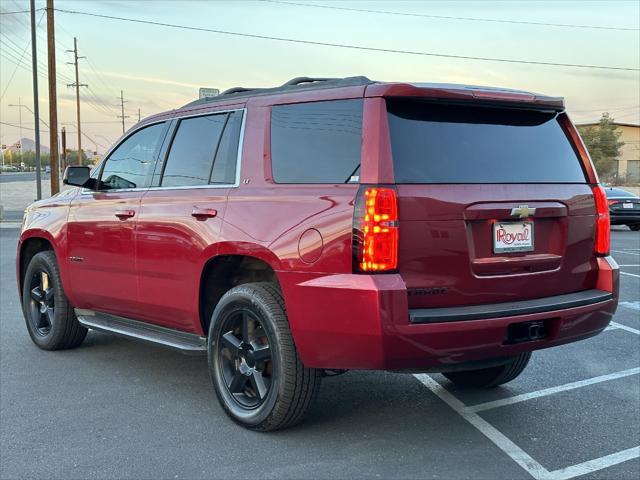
(138,115)
(123,116)
(64,147)
(36,109)
(77,85)
(53,102)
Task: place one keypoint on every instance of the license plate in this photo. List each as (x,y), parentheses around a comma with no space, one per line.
(512,237)
(627,205)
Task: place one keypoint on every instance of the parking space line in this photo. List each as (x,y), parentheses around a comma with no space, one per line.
(513,451)
(550,391)
(624,327)
(631,305)
(625,253)
(629,265)
(630,274)
(518,455)
(596,464)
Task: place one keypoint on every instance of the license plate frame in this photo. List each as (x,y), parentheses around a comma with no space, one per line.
(500,241)
(627,205)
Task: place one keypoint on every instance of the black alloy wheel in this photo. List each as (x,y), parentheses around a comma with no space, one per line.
(42,303)
(244,358)
(254,365)
(50,319)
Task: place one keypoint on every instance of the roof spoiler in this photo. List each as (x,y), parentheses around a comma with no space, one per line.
(465,93)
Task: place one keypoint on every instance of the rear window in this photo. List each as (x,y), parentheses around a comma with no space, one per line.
(434,143)
(316,142)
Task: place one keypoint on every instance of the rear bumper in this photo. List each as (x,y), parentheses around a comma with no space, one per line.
(510,309)
(363,322)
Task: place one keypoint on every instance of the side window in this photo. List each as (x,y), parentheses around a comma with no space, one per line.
(192,151)
(130,163)
(316,142)
(224,166)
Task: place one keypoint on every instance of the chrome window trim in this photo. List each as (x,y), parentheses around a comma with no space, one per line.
(186,187)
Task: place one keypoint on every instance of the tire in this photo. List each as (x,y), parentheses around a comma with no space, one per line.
(635,227)
(253,362)
(51,321)
(491,377)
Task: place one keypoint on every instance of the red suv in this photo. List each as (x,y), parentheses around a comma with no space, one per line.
(327,225)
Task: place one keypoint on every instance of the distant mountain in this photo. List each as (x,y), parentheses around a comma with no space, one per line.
(27,145)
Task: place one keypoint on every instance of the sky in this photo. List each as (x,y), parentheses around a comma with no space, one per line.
(160,68)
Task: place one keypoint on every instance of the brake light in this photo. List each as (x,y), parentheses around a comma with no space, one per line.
(611,202)
(375,230)
(603,239)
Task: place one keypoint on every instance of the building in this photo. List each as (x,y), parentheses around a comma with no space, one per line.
(629,160)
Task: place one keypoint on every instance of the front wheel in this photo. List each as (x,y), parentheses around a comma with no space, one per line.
(255,368)
(493,376)
(51,321)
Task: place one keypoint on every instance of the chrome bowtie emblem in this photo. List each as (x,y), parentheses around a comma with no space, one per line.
(523,211)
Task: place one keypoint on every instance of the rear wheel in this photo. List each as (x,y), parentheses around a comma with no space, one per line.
(257,374)
(50,319)
(635,227)
(491,377)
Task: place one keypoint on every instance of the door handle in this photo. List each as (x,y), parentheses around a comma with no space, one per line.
(124,214)
(203,213)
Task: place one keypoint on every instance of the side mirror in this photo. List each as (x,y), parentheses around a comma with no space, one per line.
(79,177)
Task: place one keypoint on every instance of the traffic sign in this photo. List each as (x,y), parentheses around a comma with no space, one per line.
(209,92)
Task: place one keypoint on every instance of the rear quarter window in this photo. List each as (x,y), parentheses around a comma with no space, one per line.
(316,142)
(436,143)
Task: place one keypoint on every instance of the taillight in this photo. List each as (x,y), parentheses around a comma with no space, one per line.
(375,230)
(603,239)
(612,202)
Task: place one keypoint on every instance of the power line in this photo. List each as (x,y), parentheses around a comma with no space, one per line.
(447,17)
(344,45)
(19,11)
(15,50)
(23,126)
(92,101)
(7,56)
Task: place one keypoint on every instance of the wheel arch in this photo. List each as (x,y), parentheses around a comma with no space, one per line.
(31,243)
(230,265)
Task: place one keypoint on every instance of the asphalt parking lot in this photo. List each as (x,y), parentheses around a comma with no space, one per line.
(117,409)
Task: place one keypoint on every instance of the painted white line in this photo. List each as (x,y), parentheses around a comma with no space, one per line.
(596,464)
(550,391)
(518,455)
(10,225)
(630,274)
(625,253)
(624,327)
(628,265)
(631,305)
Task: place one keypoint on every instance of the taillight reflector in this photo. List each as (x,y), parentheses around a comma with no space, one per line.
(603,236)
(375,226)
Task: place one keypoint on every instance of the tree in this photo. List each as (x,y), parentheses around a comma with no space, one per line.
(72,158)
(603,143)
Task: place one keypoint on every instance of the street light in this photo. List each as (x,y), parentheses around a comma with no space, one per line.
(20,122)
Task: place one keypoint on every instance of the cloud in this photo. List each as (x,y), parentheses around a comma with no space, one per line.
(137,78)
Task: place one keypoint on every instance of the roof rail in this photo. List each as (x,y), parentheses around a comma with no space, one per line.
(231,90)
(299,80)
(295,84)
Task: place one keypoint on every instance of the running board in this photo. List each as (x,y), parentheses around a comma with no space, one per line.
(188,343)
